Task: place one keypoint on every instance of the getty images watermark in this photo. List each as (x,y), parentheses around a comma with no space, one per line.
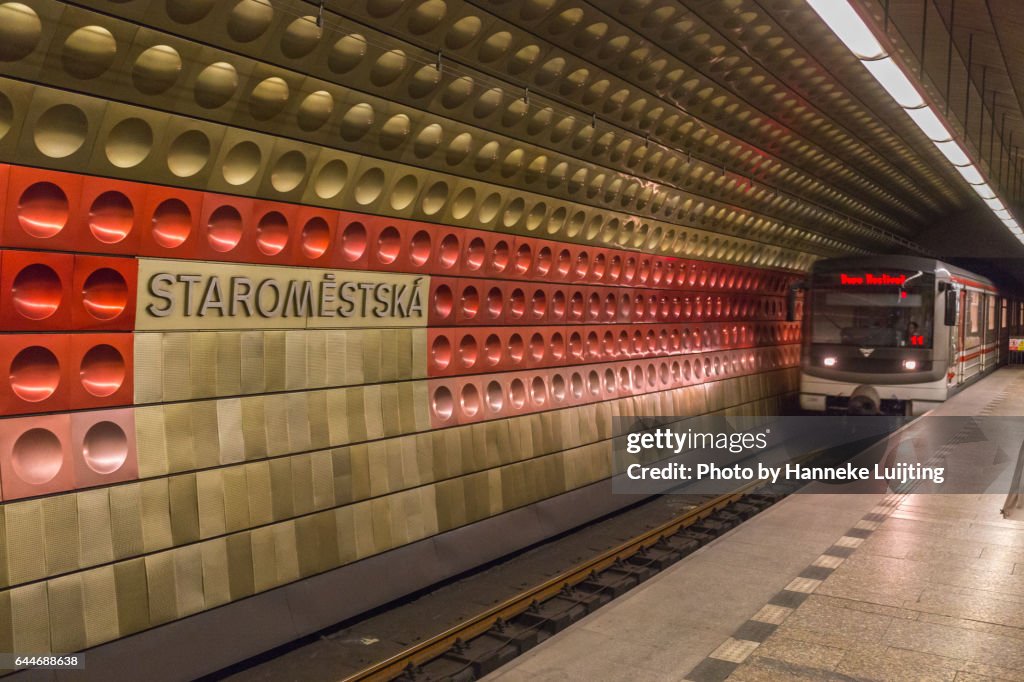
(709,454)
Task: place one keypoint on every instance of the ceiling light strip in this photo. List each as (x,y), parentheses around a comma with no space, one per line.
(855,34)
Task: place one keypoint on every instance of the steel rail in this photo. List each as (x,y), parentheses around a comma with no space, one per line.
(439,644)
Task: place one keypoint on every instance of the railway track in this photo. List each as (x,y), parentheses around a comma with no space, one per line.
(483,643)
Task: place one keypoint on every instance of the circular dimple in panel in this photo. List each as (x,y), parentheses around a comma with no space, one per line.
(495,303)
(37,456)
(111,217)
(353,241)
(389,66)
(331,179)
(517,303)
(102,371)
(513,212)
(272,233)
(495,46)
(463,204)
(188,154)
(36,292)
(394,131)
(347,53)
(314,110)
(443,403)
(448,253)
(250,19)
(288,172)
(475,253)
(105,294)
(300,38)
(370,186)
(457,92)
(241,163)
(188,11)
(517,393)
(389,242)
(444,301)
(129,143)
(105,447)
(20,30)
(43,210)
(558,387)
(428,140)
(34,374)
(495,396)
(459,149)
(462,32)
(468,351)
(470,302)
(492,349)
(357,121)
(435,198)
(538,391)
(224,229)
(172,223)
(156,69)
(537,347)
(316,237)
(61,131)
(419,248)
(423,82)
(427,16)
(268,98)
(404,192)
(516,348)
(489,208)
(215,85)
(88,52)
(441,352)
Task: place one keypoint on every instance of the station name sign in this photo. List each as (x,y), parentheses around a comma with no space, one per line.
(191,295)
(871,279)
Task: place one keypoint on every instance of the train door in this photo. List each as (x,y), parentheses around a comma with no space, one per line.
(972,334)
(1003,338)
(961,334)
(991,335)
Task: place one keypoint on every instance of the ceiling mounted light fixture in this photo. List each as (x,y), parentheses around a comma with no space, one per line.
(851,29)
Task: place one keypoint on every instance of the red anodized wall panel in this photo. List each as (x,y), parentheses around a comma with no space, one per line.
(35,290)
(36,373)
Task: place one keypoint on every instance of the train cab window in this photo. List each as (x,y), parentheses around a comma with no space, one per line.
(879,316)
(990,318)
(1003,315)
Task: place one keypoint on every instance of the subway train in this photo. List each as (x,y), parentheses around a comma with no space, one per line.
(897,334)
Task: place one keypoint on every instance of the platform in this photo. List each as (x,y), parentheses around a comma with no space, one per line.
(826,586)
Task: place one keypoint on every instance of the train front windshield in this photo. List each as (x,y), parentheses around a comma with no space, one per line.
(877,310)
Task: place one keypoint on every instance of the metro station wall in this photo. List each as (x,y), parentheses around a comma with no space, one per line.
(156,466)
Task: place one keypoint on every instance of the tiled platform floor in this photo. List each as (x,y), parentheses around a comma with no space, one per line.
(935,593)
(825,587)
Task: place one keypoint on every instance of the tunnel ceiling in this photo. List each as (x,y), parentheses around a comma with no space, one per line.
(739,116)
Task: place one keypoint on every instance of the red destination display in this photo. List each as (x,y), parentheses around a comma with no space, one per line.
(871,279)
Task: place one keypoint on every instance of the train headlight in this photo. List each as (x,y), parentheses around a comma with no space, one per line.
(829,362)
(910,364)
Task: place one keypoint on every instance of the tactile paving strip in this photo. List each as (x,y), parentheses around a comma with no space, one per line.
(721,662)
